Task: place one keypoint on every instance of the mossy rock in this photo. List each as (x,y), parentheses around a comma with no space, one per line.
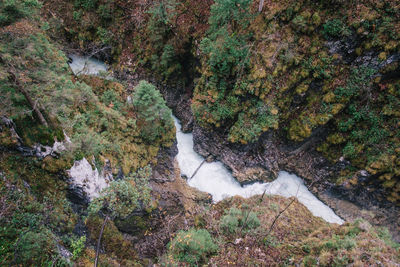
(113,240)
(336,138)
(134,224)
(31,132)
(56,165)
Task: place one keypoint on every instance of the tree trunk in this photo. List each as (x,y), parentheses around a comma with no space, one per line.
(260,6)
(99,241)
(29,99)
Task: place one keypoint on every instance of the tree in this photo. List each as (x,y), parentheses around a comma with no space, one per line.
(154,117)
(13,10)
(226,56)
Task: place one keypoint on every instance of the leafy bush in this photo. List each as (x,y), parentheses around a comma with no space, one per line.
(230,222)
(123,196)
(253,122)
(86,4)
(236,218)
(300,23)
(385,235)
(226,52)
(337,243)
(118,200)
(154,117)
(13,10)
(192,247)
(36,247)
(78,246)
(110,97)
(163,60)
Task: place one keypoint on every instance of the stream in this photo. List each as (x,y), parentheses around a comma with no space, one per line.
(87,66)
(214,177)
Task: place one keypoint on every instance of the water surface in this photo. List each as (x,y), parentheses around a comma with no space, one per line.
(216,179)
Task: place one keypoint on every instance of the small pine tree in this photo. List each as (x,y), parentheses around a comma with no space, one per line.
(154,117)
(192,247)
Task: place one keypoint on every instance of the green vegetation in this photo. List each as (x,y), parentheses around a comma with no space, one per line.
(13,10)
(334,28)
(154,117)
(237,219)
(192,247)
(227,55)
(36,216)
(164,59)
(252,72)
(123,196)
(78,247)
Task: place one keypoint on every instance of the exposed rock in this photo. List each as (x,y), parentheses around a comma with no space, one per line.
(249,175)
(86,181)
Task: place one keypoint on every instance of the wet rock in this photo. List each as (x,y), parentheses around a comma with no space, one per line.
(210,159)
(163,170)
(254,174)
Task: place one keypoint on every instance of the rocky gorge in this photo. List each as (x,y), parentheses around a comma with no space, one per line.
(284,150)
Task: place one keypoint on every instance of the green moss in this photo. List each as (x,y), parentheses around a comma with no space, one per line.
(32,133)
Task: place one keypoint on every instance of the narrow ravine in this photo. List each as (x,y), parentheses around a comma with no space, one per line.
(215,179)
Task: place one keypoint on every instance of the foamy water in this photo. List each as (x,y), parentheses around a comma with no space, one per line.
(214,178)
(88,66)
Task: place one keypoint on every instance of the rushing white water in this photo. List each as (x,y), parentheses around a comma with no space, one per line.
(215,179)
(88,66)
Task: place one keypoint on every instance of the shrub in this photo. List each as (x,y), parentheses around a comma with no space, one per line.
(235,218)
(232,12)
(227,55)
(334,28)
(193,246)
(230,222)
(111,97)
(119,199)
(337,243)
(86,4)
(300,23)
(13,10)
(78,246)
(164,59)
(35,247)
